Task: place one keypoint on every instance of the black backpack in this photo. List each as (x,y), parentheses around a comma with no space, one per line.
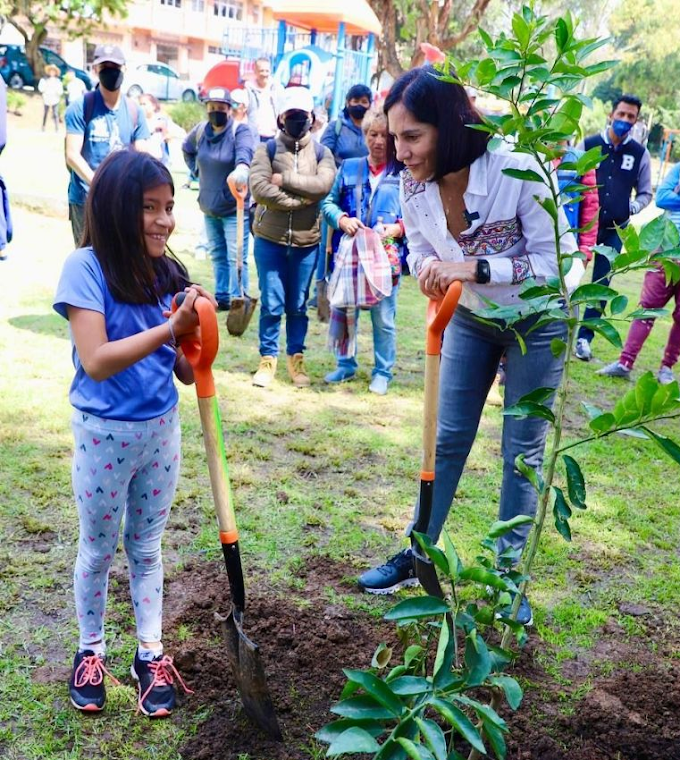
(319,150)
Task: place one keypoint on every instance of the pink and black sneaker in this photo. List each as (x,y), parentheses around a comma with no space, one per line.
(155,679)
(86,687)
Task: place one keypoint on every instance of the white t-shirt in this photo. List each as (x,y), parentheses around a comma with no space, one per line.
(263,108)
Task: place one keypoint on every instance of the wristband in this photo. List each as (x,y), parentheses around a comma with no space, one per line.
(483,273)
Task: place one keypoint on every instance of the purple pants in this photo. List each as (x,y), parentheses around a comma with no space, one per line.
(656,293)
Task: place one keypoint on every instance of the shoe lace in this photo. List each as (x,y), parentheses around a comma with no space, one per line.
(398,561)
(298,364)
(162,670)
(266,364)
(91,672)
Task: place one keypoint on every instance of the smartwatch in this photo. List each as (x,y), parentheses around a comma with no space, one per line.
(483,273)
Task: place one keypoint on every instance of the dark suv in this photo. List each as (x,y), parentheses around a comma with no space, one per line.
(17,71)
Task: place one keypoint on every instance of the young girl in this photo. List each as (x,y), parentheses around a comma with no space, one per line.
(116,293)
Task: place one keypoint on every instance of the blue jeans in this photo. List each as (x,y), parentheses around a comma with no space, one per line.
(601,275)
(221,232)
(469,361)
(384,338)
(285,274)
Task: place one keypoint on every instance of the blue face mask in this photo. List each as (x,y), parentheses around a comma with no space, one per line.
(621,128)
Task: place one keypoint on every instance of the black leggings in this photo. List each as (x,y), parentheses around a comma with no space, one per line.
(55,115)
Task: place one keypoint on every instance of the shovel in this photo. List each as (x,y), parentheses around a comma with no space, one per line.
(243,654)
(242,307)
(323,305)
(439,314)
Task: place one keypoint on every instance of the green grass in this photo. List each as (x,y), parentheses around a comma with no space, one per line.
(334,469)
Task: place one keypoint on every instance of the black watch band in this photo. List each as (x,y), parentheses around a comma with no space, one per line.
(483,273)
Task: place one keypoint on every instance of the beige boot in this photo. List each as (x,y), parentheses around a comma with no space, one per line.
(265,372)
(297,372)
(494,397)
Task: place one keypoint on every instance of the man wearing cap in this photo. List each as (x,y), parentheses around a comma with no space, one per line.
(289,177)
(264,95)
(217,151)
(97,124)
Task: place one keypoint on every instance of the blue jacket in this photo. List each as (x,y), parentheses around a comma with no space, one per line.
(213,157)
(343,196)
(346,141)
(5,217)
(668,195)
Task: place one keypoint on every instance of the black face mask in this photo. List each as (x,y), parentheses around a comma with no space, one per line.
(111,79)
(357,112)
(297,124)
(218,118)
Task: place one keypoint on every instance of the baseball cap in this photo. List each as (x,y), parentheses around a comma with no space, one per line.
(108,54)
(296,99)
(219,95)
(239,97)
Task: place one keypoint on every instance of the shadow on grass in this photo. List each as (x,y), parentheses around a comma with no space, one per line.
(42,324)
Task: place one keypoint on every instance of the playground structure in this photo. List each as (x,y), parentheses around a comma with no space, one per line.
(325,46)
(667,141)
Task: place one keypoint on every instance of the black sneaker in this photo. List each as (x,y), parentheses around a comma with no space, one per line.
(86,686)
(155,685)
(398,572)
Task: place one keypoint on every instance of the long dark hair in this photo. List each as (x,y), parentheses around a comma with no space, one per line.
(446,106)
(114,227)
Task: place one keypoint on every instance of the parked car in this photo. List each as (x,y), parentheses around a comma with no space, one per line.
(160,80)
(17,71)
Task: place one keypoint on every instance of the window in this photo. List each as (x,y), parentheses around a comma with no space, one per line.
(211,49)
(172,3)
(198,6)
(232,9)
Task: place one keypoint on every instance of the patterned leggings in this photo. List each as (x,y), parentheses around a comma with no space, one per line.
(121,468)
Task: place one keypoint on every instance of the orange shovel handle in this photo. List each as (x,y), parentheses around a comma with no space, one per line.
(439,314)
(201,352)
(238,193)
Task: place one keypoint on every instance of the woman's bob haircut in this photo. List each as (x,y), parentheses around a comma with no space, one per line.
(446,106)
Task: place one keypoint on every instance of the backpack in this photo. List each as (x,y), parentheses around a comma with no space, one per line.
(88,108)
(319,150)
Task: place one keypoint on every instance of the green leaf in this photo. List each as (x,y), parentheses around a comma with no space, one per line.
(557,347)
(390,750)
(363,707)
(511,689)
(455,565)
(417,607)
(460,722)
(618,304)
(485,577)
(561,34)
(331,731)
(548,204)
(408,686)
(592,292)
(434,737)
(415,751)
(496,740)
(521,30)
(561,513)
(529,473)
(665,399)
(591,411)
(485,71)
(354,740)
(605,329)
(576,485)
(645,388)
(665,444)
(538,395)
(375,688)
(530,409)
(433,552)
(477,659)
(528,175)
(412,653)
(603,423)
(501,527)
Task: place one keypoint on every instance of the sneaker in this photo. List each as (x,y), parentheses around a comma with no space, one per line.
(155,680)
(86,686)
(524,614)
(339,375)
(296,370)
(665,375)
(379,385)
(583,350)
(265,372)
(398,572)
(615,369)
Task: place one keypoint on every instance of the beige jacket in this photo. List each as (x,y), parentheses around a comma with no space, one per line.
(289,214)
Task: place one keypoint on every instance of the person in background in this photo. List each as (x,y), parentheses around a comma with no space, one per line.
(366,181)
(116,293)
(288,180)
(343,136)
(100,123)
(239,111)
(657,291)
(216,152)
(51,89)
(158,127)
(626,166)
(73,87)
(456,198)
(320,123)
(3,114)
(264,96)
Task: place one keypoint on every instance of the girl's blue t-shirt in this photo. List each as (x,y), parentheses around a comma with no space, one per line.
(142,391)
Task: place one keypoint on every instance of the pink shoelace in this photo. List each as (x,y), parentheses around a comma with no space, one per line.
(91,671)
(162,670)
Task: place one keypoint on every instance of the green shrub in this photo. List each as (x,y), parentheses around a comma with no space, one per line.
(187,115)
(593,119)
(15,102)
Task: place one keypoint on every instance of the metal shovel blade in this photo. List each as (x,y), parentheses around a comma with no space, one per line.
(240,313)
(251,682)
(427,575)
(323,305)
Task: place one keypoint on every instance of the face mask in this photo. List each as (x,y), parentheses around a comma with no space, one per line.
(357,112)
(111,79)
(621,128)
(218,118)
(297,124)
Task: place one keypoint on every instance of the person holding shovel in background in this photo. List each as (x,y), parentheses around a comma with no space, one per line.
(217,152)
(116,293)
(465,220)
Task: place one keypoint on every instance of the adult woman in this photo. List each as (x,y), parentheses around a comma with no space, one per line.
(466,220)
(215,151)
(363,194)
(291,174)
(344,136)
(51,89)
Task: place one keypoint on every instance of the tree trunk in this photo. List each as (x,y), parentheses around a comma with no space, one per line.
(33,53)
